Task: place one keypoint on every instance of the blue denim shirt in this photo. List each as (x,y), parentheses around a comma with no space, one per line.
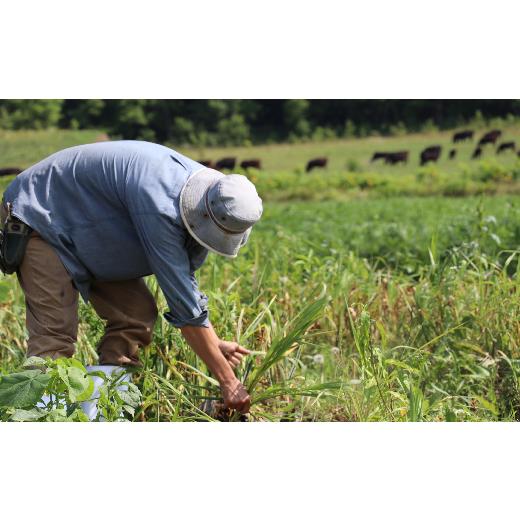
(111,212)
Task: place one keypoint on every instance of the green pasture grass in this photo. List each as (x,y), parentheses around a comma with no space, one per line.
(25,147)
(350,174)
(343,152)
(22,148)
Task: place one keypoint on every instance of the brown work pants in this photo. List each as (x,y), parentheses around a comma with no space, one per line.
(51,301)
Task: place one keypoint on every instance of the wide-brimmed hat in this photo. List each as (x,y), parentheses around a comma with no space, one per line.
(219,210)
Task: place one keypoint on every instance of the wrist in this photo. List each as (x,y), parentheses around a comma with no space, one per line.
(227,380)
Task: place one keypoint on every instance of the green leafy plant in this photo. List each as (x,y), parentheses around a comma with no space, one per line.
(52,390)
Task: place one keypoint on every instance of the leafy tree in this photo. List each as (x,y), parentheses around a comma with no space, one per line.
(233,131)
(30,113)
(295,116)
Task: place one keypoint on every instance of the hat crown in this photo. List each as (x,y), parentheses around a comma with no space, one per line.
(234,203)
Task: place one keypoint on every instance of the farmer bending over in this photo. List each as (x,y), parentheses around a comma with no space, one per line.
(101,217)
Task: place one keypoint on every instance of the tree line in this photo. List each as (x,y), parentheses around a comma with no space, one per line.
(245,121)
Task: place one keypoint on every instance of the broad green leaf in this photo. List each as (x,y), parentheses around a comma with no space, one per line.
(79,385)
(23,389)
(98,373)
(28,415)
(34,361)
(59,415)
(129,409)
(78,415)
(130,396)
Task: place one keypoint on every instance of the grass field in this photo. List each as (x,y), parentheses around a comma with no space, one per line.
(343,153)
(349,174)
(418,319)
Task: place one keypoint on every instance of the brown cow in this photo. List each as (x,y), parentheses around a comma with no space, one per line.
(463,135)
(490,137)
(206,163)
(226,163)
(318,162)
(452,154)
(509,145)
(396,157)
(251,163)
(10,171)
(432,153)
(477,153)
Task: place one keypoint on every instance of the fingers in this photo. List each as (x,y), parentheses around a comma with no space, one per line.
(242,350)
(237,398)
(234,361)
(244,408)
(231,347)
(237,358)
(243,405)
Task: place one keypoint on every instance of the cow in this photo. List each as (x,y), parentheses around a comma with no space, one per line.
(10,171)
(378,155)
(206,163)
(318,162)
(226,163)
(396,157)
(490,137)
(452,154)
(509,145)
(251,163)
(463,135)
(477,153)
(432,153)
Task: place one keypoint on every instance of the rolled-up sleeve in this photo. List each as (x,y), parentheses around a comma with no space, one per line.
(164,242)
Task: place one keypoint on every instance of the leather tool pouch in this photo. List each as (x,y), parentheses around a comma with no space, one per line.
(14,236)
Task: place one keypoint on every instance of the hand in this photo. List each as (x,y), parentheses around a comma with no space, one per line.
(236,396)
(233,352)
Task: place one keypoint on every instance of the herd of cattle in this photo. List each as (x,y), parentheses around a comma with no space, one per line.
(433,153)
(230,163)
(429,154)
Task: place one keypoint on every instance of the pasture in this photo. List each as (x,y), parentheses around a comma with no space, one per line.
(379,307)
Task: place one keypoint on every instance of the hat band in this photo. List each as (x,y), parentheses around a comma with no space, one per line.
(217,223)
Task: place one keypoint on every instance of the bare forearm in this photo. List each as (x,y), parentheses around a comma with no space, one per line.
(204,341)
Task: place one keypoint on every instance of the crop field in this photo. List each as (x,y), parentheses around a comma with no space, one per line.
(359,305)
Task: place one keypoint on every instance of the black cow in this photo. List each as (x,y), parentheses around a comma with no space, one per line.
(452,154)
(379,155)
(318,162)
(490,137)
(509,145)
(463,135)
(226,163)
(9,171)
(432,153)
(207,164)
(390,157)
(396,157)
(477,153)
(251,163)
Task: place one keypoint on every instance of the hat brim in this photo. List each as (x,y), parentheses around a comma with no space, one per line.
(197,220)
